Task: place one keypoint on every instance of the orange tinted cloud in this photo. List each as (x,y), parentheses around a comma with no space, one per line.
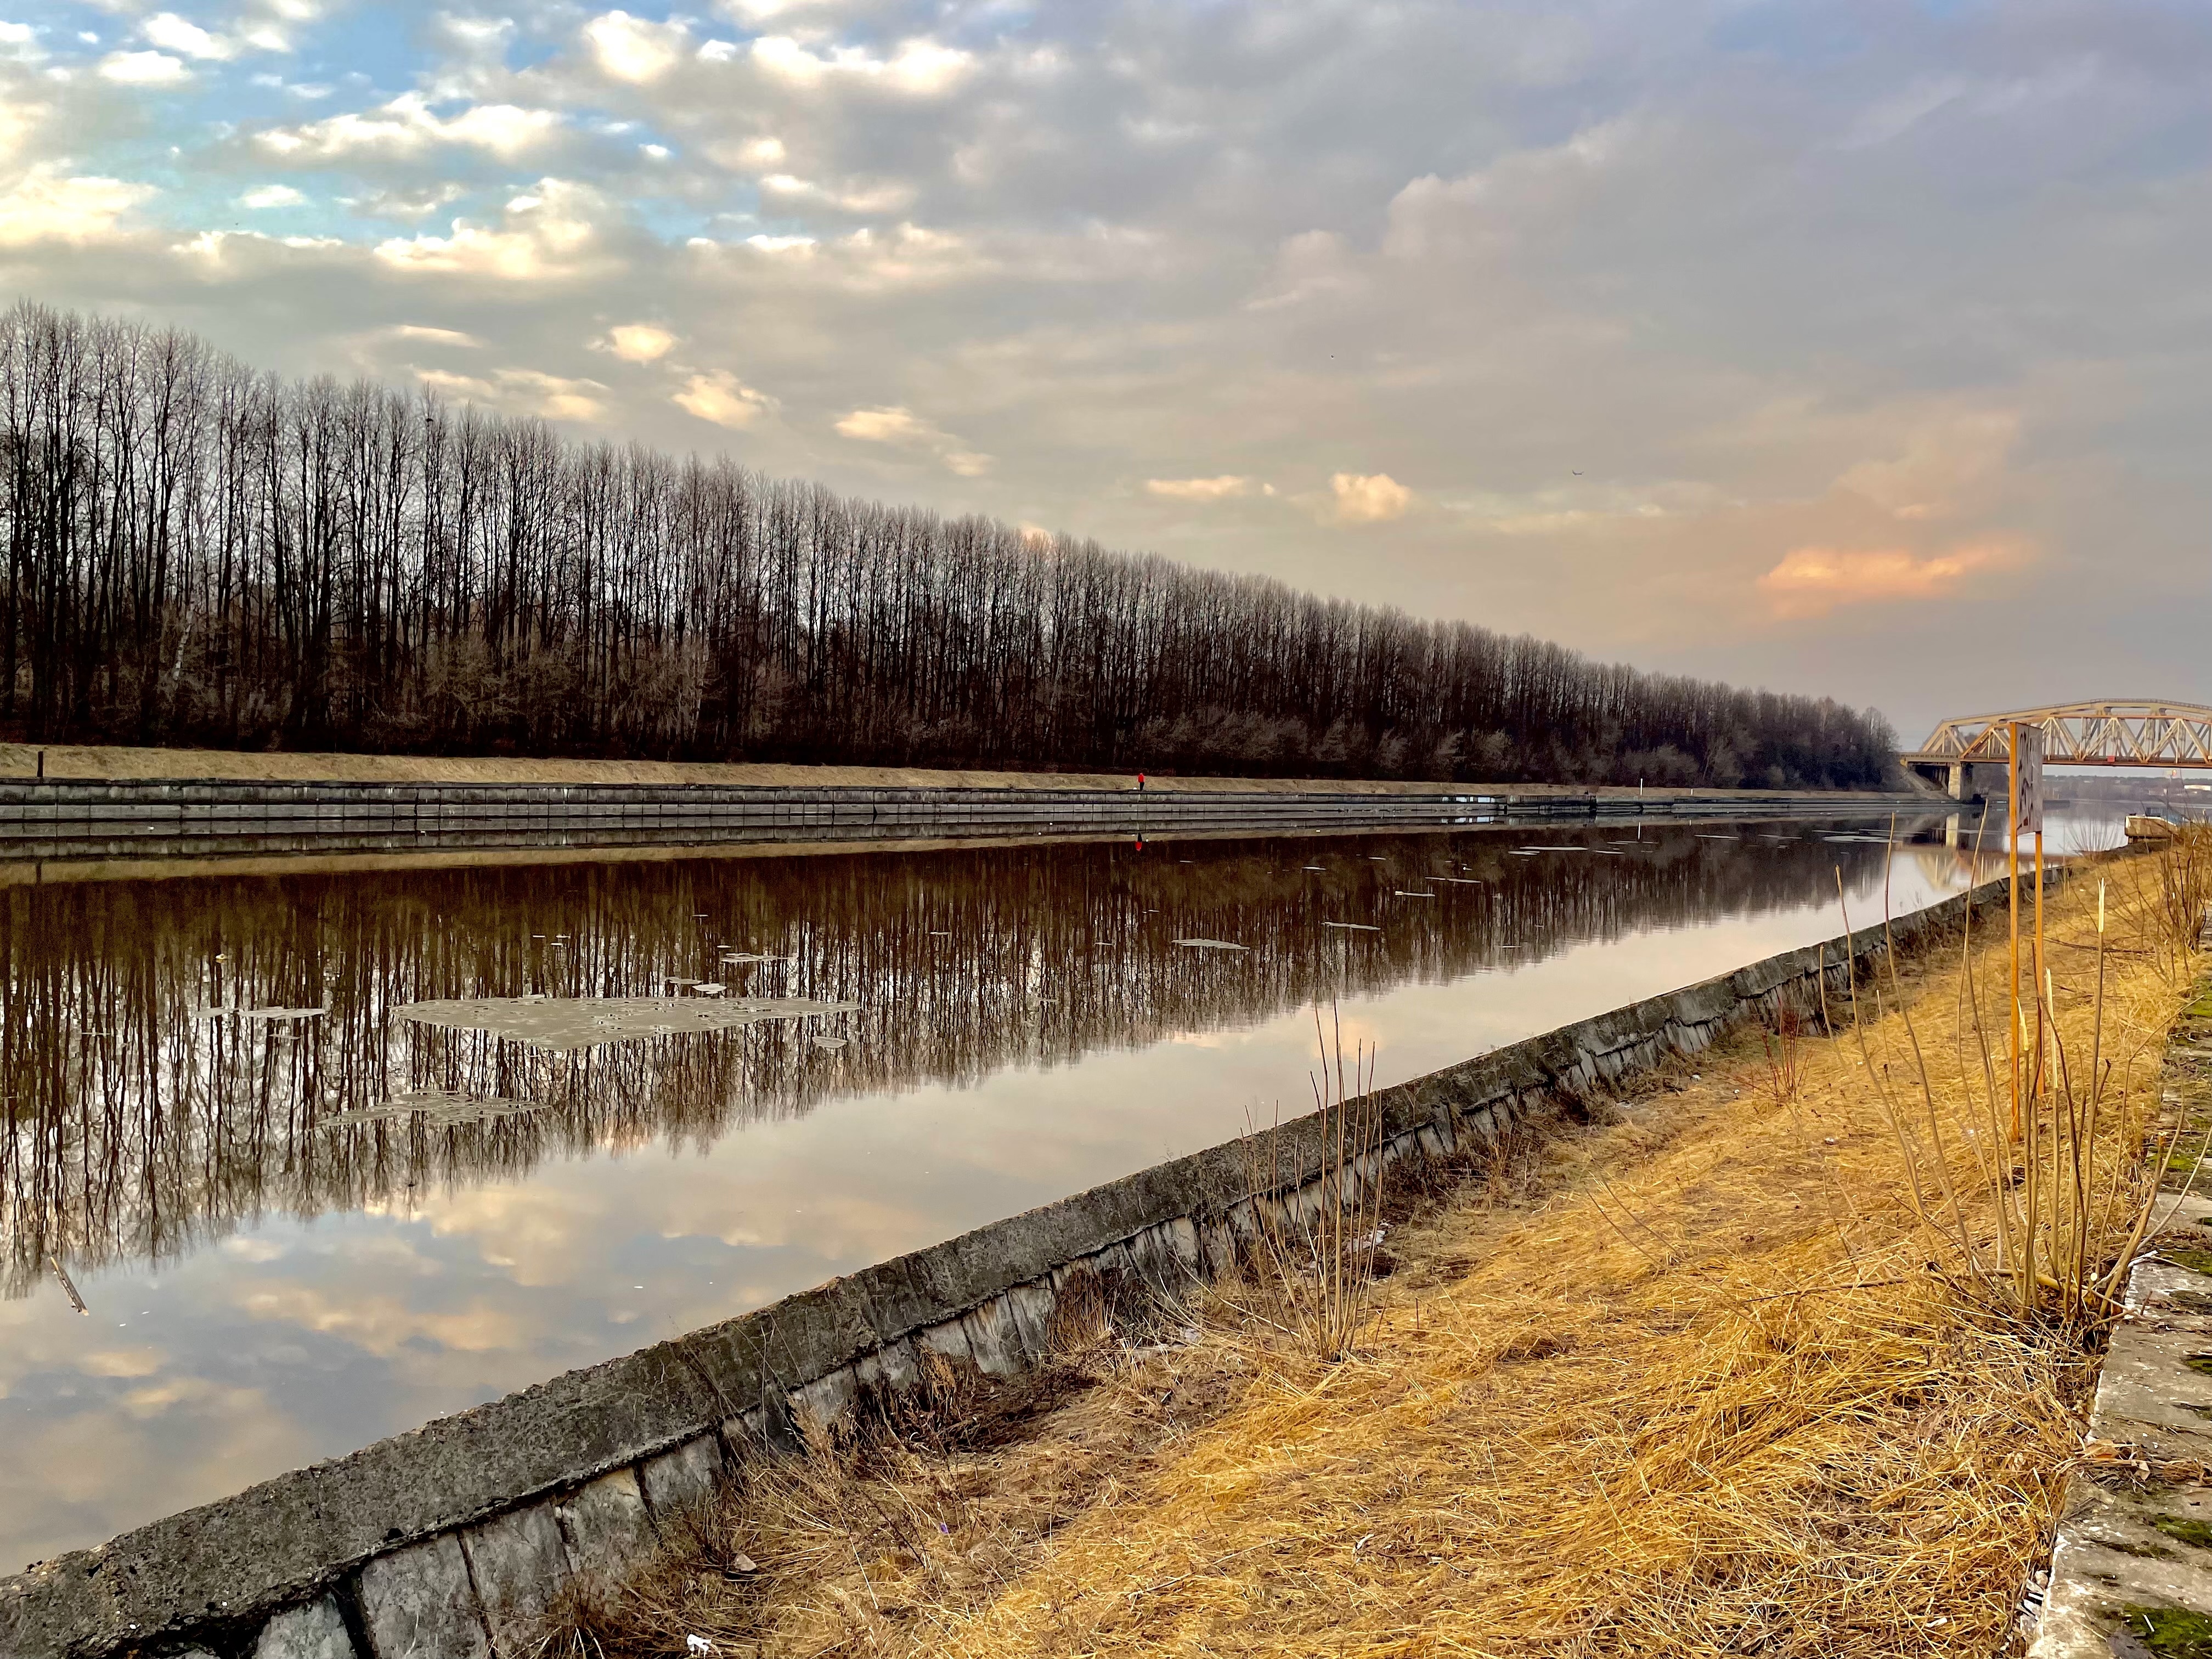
(1811,581)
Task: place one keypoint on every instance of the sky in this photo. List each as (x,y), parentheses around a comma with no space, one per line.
(1858,349)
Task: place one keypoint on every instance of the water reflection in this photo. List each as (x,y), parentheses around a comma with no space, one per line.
(298,1234)
(138,1127)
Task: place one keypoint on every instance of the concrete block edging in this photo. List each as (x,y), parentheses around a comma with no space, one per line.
(447,1540)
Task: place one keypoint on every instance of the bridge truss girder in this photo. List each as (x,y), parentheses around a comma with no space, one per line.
(2158,734)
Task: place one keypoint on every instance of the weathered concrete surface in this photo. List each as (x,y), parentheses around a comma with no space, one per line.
(418,1603)
(316,1631)
(394,1529)
(2131,1569)
(517,1562)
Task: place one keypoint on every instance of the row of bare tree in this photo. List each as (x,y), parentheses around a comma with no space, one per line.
(197,553)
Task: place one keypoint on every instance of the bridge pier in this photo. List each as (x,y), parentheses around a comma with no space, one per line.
(1966,781)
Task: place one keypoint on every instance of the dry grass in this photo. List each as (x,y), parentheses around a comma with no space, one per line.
(1701,1379)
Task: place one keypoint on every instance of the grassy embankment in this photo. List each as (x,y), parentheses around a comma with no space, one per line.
(1699,1377)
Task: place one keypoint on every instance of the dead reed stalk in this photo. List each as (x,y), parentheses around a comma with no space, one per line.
(1314,1242)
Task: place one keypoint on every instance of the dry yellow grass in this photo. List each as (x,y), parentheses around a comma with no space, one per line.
(1715,1389)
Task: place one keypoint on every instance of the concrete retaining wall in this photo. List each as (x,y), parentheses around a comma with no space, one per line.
(443,1543)
(113,813)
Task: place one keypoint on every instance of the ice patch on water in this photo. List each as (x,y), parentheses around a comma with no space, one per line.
(562,1024)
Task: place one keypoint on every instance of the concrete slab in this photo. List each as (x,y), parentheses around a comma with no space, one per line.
(316,1631)
(519,1562)
(681,1478)
(606,1527)
(417,1603)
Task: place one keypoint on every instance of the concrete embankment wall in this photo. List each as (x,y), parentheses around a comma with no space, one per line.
(56,817)
(447,1543)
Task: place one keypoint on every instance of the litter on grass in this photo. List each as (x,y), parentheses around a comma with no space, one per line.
(1209,944)
(1354,926)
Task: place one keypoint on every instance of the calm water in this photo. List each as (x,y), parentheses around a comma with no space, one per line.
(264,1288)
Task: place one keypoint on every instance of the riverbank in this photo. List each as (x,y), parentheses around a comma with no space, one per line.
(1678,1381)
(103,763)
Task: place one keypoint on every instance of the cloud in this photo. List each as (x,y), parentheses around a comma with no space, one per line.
(142,69)
(634,49)
(407,126)
(879,198)
(545,234)
(171,33)
(43,206)
(1199,489)
(636,343)
(903,429)
(1811,581)
(522,392)
(445,336)
(1368,498)
(724,399)
(919,66)
(1946,466)
(272,195)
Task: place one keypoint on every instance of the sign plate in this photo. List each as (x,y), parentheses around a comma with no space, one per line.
(2028,779)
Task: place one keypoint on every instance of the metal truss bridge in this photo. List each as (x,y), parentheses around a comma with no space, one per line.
(2169,734)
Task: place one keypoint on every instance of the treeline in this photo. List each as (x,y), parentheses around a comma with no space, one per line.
(201,554)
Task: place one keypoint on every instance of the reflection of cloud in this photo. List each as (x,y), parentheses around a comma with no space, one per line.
(384,1325)
(1811,581)
(122,1362)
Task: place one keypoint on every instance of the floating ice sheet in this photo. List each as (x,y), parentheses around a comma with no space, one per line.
(433,1106)
(219,1010)
(562,1024)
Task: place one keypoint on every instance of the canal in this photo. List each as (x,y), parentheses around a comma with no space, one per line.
(260,1206)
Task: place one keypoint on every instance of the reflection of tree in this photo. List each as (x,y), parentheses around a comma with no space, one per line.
(135,1129)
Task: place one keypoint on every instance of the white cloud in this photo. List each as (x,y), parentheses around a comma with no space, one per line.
(724,399)
(171,33)
(142,69)
(634,49)
(1368,498)
(44,206)
(919,66)
(445,337)
(882,196)
(636,343)
(521,391)
(904,428)
(545,235)
(1199,489)
(407,126)
(272,195)
(1811,581)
